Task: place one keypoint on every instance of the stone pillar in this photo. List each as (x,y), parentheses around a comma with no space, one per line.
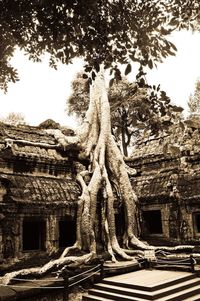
(1,244)
(52,234)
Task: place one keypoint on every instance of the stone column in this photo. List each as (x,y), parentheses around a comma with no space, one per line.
(52,234)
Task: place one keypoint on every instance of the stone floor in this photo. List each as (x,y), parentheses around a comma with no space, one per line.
(148,277)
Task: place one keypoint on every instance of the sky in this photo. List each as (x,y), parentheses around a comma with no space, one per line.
(178,74)
(42,91)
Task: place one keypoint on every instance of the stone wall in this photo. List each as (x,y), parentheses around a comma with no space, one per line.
(168,185)
(38,193)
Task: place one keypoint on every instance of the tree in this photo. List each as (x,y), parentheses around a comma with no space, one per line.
(14,118)
(135,110)
(122,94)
(105,33)
(194,100)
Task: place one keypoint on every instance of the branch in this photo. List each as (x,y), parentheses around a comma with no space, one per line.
(128,137)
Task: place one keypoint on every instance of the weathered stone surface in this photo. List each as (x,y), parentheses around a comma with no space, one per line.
(168,183)
(7,294)
(37,184)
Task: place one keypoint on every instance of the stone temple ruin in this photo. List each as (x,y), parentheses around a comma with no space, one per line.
(38,195)
(168,185)
(39,192)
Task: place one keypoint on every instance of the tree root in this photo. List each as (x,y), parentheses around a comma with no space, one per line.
(71,261)
(76,246)
(175,248)
(135,242)
(138,253)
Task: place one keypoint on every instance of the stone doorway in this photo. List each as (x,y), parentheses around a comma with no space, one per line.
(152,222)
(34,234)
(67,232)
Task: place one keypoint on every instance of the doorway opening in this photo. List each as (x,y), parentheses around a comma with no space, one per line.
(196,218)
(67,232)
(34,235)
(120,222)
(152,222)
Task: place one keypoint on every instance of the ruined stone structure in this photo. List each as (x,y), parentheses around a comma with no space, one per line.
(38,194)
(168,185)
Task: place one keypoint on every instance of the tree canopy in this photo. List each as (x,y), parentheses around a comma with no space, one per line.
(14,118)
(194,100)
(134,109)
(109,31)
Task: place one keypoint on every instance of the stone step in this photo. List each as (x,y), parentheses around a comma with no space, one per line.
(183,295)
(151,288)
(94,298)
(121,290)
(173,267)
(140,293)
(113,296)
(191,293)
(147,285)
(180,287)
(193,298)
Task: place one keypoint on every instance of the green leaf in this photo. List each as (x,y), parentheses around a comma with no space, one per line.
(93,75)
(88,69)
(173,46)
(173,22)
(117,74)
(96,66)
(111,71)
(111,82)
(150,64)
(128,69)
(85,76)
(177,109)
(142,82)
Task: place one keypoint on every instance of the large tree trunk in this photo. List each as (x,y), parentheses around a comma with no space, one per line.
(106,167)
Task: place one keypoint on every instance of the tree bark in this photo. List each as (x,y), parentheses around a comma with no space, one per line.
(124,144)
(106,165)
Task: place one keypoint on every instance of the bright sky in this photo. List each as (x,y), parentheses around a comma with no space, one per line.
(178,74)
(42,91)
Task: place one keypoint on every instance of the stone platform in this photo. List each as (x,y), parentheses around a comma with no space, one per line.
(147,285)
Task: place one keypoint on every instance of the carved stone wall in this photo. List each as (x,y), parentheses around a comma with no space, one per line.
(169,181)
